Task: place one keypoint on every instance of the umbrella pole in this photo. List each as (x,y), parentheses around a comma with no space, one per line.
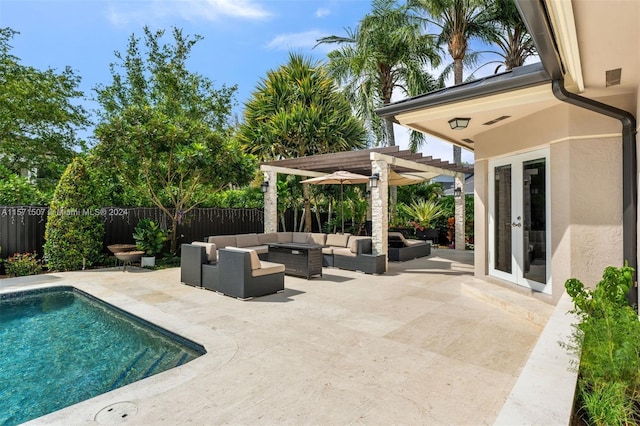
(342,207)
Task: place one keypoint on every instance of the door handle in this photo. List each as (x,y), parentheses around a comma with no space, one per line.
(516,224)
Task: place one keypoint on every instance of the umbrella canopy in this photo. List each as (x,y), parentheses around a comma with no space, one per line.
(339,178)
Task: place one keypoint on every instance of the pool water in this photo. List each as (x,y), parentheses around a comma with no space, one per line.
(60,346)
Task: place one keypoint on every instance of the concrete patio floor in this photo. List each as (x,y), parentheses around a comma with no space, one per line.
(417,345)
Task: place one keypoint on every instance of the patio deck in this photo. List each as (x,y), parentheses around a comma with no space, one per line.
(413,346)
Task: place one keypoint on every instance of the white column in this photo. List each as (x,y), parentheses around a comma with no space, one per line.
(380,207)
(271,202)
(459,212)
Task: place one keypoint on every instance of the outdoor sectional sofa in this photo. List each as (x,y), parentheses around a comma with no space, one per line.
(342,251)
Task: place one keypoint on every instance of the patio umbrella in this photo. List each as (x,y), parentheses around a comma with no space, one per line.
(340,177)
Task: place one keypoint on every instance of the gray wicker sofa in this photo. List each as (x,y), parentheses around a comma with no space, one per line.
(342,251)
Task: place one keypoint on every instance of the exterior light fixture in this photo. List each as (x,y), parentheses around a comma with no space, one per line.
(373,180)
(264,186)
(457,192)
(459,123)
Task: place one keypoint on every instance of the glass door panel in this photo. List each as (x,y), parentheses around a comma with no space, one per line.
(502,229)
(534,208)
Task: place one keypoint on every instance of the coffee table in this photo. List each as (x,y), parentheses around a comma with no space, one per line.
(303,260)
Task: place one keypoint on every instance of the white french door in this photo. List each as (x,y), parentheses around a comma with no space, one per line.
(519,226)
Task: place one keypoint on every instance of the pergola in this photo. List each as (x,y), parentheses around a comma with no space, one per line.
(390,164)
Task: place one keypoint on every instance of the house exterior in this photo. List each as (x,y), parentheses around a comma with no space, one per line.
(554,146)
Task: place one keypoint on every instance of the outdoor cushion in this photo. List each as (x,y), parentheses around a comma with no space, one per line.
(222,241)
(343,251)
(337,240)
(317,238)
(271,237)
(259,249)
(300,237)
(327,250)
(267,268)
(285,237)
(353,243)
(210,249)
(255,260)
(247,240)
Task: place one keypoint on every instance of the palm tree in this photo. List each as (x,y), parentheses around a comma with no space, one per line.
(386,51)
(459,21)
(298,110)
(510,35)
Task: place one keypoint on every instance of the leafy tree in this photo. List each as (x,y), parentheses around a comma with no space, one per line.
(165,129)
(298,110)
(387,52)
(38,117)
(459,21)
(75,229)
(17,190)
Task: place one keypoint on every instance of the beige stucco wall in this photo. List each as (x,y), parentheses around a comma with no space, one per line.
(585,192)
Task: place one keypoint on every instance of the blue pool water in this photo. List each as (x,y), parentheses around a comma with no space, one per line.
(60,346)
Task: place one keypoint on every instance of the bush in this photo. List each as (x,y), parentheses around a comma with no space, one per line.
(23,264)
(149,237)
(75,229)
(608,339)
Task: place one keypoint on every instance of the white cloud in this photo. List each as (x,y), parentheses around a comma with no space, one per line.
(306,39)
(322,12)
(120,13)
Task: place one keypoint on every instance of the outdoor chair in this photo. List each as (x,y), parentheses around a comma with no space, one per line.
(242,274)
(401,249)
(198,265)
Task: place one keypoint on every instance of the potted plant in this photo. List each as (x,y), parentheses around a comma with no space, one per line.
(424,213)
(149,238)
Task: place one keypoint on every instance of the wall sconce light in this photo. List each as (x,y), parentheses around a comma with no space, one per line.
(264,186)
(457,192)
(373,180)
(459,123)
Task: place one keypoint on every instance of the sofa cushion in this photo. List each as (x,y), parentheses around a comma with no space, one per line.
(222,241)
(327,250)
(247,240)
(267,268)
(253,256)
(259,249)
(271,237)
(343,251)
(317,238)
(337,240)
(285,237)
(300,237)
(353,243)
(210,249)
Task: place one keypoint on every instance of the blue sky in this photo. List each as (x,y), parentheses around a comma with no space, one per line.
(243,39)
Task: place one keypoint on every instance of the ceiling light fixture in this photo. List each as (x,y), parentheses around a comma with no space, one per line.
(459,123)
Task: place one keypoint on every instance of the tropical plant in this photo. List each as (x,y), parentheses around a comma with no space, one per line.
(298,110)
(165,129)
(423,212)
(75,230)
(510,35)
(149,237)
(459,21)
(607,340)
(23,264)
(387,52)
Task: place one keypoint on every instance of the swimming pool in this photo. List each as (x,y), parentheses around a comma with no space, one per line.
(60,346)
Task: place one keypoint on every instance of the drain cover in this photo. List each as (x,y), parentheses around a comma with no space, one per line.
(116,413)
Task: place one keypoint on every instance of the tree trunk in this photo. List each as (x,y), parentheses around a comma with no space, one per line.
(393,190)
(174,235)
(388,124)
(307,207)
(457,79)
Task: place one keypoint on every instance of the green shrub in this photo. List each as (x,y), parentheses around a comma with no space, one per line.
(23,264)
(75,228)
(149,237)
(608,340)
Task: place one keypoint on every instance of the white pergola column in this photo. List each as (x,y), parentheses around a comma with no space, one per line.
(380,207)
(459,212)
(271,202)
